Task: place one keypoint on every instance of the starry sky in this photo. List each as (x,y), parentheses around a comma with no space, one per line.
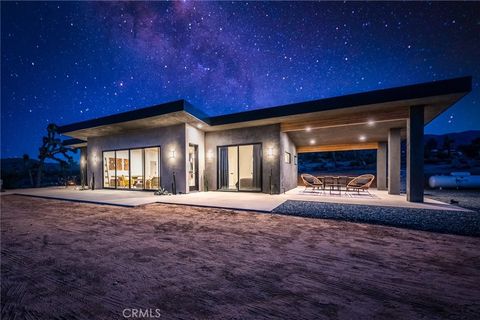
(64,62)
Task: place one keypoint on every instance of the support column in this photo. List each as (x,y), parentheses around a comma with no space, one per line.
(382,166)
(415,174)
(394,160)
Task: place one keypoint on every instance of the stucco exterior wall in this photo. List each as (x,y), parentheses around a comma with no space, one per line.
(288,171)
(268,136)
(196,136)
(168,138)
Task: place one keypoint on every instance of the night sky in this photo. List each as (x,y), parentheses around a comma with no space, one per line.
(68,62)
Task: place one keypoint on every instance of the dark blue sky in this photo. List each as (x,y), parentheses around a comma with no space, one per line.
(67,62)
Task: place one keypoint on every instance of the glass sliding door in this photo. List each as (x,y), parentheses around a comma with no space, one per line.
(109,169)
(123,169)
(249,164)
(240,167)
(228,168)
(136,168)
(152,175)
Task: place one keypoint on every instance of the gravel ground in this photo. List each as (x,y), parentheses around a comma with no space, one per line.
(469,199)
(452,222)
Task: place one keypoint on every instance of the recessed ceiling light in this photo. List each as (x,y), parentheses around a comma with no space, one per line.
(362,138)
(312,141)
(308,129)
(370,123)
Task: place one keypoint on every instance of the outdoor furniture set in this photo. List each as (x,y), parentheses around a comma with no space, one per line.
(337,183)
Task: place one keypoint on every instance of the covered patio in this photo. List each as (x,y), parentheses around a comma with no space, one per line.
(379,122)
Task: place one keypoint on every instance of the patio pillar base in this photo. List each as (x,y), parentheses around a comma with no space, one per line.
(415,174)
(394,160)
(382,166)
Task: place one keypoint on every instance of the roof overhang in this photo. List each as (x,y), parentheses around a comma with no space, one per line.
(167,114)
(332,121)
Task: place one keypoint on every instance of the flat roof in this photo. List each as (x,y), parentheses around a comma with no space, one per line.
(438,94)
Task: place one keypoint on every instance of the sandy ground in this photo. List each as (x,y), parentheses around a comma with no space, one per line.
(63,260)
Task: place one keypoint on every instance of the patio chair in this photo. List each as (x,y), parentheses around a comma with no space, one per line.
(311,182)
(362,182)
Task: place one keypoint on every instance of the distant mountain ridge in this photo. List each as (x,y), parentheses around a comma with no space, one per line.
(459,138)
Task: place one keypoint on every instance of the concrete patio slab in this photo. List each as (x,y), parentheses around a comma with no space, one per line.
(101,196)
(230,200)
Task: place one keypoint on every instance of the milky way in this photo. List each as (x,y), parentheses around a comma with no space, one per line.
(68,62)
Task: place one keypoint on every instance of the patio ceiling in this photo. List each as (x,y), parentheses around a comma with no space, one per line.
(359,127)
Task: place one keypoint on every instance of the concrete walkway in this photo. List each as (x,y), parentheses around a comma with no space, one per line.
(230,200)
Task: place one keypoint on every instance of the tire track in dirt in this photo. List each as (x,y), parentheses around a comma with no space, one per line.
(75,294)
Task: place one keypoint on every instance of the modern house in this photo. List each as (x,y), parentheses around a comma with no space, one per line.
(178,147)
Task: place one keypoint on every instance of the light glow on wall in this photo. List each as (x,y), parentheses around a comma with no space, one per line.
(209,155)
(270,152)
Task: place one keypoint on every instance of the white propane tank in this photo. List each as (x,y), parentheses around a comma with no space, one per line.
(455,180)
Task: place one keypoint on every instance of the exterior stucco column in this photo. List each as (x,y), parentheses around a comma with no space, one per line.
(382,166)
(394,160)
(415,174)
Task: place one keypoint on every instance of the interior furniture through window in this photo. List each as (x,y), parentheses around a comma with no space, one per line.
(135,169)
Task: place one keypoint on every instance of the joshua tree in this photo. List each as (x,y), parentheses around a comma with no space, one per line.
(51,148)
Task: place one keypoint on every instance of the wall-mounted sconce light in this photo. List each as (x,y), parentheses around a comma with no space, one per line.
(362,138)
(172,154)
(270,152)
(312,141)
(83,162)
(209,155)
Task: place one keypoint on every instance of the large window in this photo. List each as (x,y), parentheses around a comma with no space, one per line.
(123,169)
(109,169)
(132,169)
(136,168)
(240,167)
(152,176)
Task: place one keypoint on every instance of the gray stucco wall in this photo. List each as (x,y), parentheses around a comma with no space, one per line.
(168,138)
(288,171)
(269,136)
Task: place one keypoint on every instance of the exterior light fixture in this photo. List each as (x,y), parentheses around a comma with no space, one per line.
(270,152)
(199,126)
(312,141)
(209,155)
(172,154)
(83,162)
(308,129)
(370,123)
(362,138)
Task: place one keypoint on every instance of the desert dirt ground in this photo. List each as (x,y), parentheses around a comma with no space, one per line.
(64,260)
